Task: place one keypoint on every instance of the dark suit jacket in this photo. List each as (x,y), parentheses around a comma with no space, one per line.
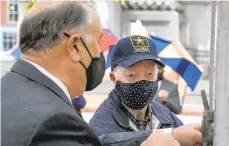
(36,112)
(173,103)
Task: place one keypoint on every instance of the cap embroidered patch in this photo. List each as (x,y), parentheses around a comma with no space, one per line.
(140,44)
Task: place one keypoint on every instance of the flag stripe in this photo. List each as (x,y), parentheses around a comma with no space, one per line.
(160,43)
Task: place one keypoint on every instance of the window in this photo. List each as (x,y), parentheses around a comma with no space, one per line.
(9,40)
(13,10)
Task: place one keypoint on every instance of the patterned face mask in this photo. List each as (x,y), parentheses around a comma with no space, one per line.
(136,95)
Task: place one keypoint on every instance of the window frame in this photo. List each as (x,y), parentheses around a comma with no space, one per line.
(7,29)
(8,13)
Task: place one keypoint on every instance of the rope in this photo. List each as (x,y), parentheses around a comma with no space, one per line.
(212,55)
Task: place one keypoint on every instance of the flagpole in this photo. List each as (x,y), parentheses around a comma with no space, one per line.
(212,56)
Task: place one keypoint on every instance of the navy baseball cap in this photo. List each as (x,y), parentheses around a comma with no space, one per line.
(133,49)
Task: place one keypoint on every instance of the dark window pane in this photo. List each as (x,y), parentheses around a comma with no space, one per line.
(9,40)
(13,14)
(16,17)
(11,17)
(15,8)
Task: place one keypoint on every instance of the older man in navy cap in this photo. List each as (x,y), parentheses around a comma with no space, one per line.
(130,105)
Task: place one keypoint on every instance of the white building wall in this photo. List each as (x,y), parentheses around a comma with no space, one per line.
(198,19)
(198,30)
(115,18)
(163,23)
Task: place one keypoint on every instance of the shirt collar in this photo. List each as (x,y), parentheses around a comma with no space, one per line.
(53,78)
(135,115)
(136,122)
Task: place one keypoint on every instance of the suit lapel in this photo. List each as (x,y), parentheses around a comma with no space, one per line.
(29,71)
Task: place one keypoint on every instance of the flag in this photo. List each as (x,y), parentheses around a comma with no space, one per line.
(108,39)
(123,2)
(180,67)
(108,57)
(16,52)
(175,56)
(106,44)
(30,5)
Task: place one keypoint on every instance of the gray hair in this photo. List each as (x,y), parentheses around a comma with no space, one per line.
(44,30)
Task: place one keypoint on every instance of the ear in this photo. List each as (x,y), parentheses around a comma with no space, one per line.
(112,77)
(72,48)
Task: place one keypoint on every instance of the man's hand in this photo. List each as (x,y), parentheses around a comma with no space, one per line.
(164,95)
(188,135)
(159,138)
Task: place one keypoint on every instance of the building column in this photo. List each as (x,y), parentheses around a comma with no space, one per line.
(21,14)
(165,23)
(115,12)
(22,9)
(221,132)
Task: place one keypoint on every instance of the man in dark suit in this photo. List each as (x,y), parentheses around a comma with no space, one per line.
(58,63)
(168,94)
(60,60)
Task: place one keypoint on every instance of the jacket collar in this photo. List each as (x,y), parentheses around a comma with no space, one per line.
(158,112)
(120,113)
(29,71)
(118,110)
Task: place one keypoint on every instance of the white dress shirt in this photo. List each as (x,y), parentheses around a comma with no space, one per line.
(53,78)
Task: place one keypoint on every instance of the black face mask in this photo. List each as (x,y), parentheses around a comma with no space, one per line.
(136,95)
(96,69)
